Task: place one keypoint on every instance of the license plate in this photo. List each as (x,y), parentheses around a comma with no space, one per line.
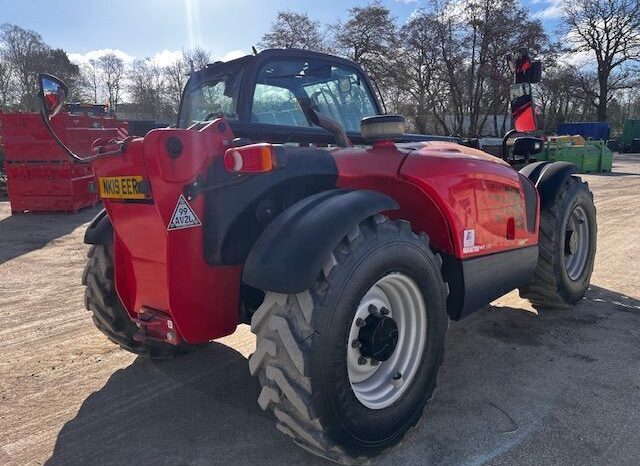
(120,187)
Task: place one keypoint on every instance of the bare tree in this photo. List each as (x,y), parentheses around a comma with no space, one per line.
(6,78)
(112,69)
(146,87)
(196,58)
(368,38)
(294,30)
(564,94)
(91,75)
(175,78)
(175,75)
(610,29)
(418,74)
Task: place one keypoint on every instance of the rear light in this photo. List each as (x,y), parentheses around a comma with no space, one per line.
(254,158)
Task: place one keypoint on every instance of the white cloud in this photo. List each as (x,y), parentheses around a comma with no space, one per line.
(162,58)
(581,59)
(578,59)
(166,57)
(407,2)
(233,54)
(552,10)
(83,58)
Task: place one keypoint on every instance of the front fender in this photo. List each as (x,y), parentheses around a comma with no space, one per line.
(100,230)
(548,178)
(291,251)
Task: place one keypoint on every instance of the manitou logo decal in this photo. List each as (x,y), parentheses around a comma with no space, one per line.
(469,238)
(183,216)
(469,245)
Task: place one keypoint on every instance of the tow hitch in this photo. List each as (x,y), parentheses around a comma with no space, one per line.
(155,325)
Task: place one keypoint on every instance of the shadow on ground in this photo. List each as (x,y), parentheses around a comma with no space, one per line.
(515,387)
(23,233)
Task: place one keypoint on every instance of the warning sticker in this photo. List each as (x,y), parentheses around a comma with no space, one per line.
(183,216)
(469,238)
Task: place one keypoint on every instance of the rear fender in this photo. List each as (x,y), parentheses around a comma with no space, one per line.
(291,251)
(548,177)
(100,230)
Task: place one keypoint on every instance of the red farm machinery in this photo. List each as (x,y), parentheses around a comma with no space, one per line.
(285,199)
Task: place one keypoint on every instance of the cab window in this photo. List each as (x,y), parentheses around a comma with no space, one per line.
(217,97)
(336,91)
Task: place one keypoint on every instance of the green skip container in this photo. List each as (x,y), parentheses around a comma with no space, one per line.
(590,157)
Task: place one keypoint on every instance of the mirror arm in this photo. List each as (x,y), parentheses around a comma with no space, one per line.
(45,119)
(508,134)
(120,150)
(55,137)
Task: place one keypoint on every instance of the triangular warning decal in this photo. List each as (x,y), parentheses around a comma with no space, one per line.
(183,216)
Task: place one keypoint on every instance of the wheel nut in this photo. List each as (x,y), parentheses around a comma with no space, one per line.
(397,381)
(360,322)
(362,361)
(372,309)
(384,311)
(356,344)
(374,362)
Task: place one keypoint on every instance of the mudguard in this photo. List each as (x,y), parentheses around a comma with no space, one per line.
(100,230)
(291,251)
(548,178)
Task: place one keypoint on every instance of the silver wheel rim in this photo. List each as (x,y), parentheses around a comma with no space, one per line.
(576,247)
(380,385)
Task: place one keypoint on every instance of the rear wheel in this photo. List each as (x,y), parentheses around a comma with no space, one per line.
(347,366)
(110,316)
(567,245)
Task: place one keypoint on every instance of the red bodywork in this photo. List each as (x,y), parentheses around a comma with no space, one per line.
(443,189)
(166,270)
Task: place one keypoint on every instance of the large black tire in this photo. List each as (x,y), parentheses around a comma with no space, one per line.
(108,313)
(551,287)
(300,355)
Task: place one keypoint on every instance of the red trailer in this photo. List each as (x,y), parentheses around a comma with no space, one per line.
(40,177)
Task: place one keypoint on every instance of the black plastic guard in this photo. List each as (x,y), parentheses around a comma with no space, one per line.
(291,251)
(549,178)
(100,230)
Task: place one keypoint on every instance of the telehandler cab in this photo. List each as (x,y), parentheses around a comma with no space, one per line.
(286,199)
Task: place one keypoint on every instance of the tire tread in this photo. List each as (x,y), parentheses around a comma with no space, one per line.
(285,320)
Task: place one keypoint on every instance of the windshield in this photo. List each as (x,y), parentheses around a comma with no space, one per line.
(216,97)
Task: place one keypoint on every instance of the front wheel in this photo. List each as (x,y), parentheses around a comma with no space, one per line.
(567,244)
(347,366)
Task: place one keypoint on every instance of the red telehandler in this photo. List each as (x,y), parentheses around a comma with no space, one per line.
(286,199)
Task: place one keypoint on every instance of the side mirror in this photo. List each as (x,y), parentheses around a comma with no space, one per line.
(531,75)
(53,93)
(527,146)
(525,69)
(522,108)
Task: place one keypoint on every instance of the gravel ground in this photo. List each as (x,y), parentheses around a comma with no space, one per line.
(515,387)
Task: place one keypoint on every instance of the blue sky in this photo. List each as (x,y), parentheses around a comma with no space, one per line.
(161,28)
